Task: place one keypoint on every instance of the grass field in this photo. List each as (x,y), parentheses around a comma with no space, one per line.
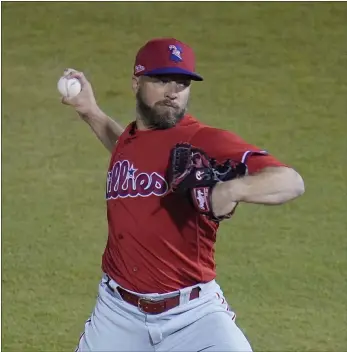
(274,72)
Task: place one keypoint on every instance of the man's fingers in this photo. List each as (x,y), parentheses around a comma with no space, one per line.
(80,76)
(67,71)
(65,100)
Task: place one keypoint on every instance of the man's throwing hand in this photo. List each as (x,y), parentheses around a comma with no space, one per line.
(84,103)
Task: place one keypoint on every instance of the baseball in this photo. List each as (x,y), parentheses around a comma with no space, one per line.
(69,87)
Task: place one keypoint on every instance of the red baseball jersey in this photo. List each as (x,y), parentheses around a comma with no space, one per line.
(157,242)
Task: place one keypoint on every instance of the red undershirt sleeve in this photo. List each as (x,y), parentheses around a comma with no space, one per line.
(221,145)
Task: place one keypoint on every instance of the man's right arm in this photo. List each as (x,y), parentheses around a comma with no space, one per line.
(105,128)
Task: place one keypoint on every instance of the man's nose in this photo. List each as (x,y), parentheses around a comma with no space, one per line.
(171,90)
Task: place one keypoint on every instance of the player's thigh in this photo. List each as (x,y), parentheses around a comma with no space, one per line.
(213,332)
(117,340)
(99,337)
(223,334)
(111,328)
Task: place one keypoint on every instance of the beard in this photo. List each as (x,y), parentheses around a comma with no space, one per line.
(163,115)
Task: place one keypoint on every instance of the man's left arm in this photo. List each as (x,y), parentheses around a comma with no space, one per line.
(268,181)
(272,185)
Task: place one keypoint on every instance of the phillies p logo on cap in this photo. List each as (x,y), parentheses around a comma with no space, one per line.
(175,53)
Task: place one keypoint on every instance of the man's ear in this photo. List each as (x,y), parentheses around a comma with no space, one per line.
(135,83)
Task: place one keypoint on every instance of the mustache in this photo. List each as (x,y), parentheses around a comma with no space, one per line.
(167,103)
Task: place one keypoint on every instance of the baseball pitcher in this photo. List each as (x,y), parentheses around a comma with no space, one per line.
(171,181)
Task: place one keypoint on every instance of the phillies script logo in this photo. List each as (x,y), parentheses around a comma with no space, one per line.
(123,181)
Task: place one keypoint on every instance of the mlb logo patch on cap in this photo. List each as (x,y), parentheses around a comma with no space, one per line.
(139,68)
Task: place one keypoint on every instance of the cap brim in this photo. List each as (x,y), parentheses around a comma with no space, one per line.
(174,71)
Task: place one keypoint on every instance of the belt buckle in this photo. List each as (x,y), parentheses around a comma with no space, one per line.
(149,301)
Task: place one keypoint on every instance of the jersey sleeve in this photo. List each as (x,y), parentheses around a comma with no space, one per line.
(222,145)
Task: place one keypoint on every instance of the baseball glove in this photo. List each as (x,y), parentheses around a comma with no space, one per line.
(192,172)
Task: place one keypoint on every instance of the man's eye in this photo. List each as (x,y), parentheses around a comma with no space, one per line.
(183,83)
(164,80)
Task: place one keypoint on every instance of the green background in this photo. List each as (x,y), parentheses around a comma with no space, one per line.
(275,73)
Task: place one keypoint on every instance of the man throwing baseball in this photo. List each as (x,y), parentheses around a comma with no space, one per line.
(170,182)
